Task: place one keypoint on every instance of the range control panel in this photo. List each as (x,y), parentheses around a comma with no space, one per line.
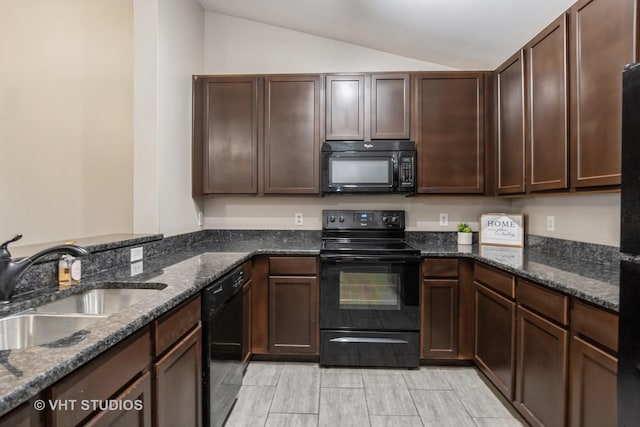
(362,219)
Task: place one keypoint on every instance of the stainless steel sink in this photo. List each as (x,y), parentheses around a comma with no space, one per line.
(31,329)
(97,301)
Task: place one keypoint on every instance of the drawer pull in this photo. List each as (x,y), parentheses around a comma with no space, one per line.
(369,340)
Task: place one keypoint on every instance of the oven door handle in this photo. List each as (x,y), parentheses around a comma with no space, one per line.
(361,340)
(401,259)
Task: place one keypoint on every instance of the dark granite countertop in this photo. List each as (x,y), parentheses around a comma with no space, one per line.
(24,373)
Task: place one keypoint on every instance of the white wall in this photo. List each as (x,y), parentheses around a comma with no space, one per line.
(66,127)
(169,50)
(180,55)
(239,46)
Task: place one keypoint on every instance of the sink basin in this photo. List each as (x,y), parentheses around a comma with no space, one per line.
(27,330)
(97,301)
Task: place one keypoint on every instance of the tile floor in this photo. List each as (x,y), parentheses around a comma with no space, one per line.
(303,394)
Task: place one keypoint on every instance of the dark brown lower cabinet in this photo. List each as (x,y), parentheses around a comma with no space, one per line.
(178,390)
(440,318)
(24,416)
(541,369)
(495,323)
(293,315)
(594,373)
(138,396)
(100,379)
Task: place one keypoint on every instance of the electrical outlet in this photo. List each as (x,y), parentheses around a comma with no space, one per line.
(298,218)
(551,223)
(136,254)
(444,219)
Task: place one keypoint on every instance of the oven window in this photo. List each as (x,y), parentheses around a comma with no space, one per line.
(361,171)
(361,291)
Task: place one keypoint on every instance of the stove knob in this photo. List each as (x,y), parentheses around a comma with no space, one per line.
(341,218)
(395,219)
(332,218)
(385,219)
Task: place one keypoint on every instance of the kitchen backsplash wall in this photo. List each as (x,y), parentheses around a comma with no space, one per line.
(583,218)
(423,213)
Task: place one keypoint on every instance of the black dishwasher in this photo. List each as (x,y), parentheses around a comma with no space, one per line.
(222,368)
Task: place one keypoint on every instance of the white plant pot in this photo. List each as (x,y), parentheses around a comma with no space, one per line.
(465,238)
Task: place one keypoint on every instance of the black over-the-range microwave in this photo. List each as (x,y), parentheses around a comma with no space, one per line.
(369,167)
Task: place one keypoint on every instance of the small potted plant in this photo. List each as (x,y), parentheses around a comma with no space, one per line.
(464,234)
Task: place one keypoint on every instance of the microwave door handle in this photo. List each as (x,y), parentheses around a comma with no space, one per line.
(396,168)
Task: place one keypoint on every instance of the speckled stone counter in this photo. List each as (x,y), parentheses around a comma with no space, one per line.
(185,270)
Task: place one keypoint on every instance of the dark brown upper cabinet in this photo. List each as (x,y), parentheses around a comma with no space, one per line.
(225,135)
(390,106)
(602,41)
(510,126)
(292,109)
(547,113)
(449,132)
(345,107)
(368,106)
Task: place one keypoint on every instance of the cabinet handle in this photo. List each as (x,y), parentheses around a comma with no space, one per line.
(369,340)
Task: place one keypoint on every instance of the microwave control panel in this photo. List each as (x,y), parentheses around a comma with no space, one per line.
(406,172)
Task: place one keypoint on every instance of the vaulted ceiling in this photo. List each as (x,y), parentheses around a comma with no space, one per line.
(464,34)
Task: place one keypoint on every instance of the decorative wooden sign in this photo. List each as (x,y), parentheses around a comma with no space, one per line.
(502,229)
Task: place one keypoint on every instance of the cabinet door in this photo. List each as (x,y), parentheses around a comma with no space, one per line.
(511,138)
(541,378)
(292,134)
(390,106)
(230,136)
(602,42)
(345,107)
(547,138)
(439,319)
(450,132)
(138,396)
(593,395)
(293,315)
(178,387)
(495,321)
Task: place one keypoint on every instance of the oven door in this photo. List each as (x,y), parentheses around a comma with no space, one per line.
(370,292)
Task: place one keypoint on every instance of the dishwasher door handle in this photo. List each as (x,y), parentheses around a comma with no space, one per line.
(364,340)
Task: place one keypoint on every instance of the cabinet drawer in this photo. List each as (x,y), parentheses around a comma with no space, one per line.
(173,325)
(440,267)
(595,323)
(551,304)
(495,279)
(292,266)
(102,377)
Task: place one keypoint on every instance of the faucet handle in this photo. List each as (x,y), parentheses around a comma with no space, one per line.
(4,252)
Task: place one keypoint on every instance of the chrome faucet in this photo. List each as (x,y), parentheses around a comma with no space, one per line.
(11,271)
